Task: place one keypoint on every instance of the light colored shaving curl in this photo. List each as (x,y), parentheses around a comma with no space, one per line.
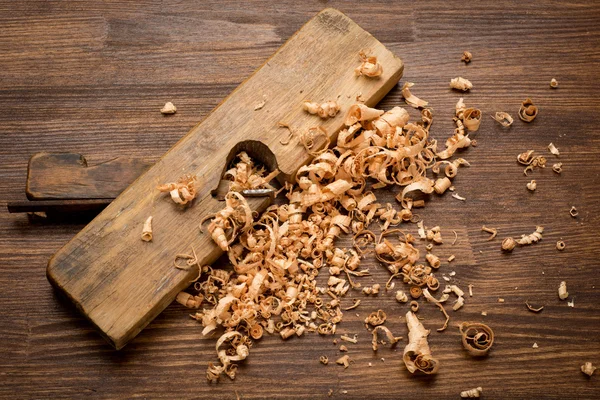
(417,355)
(477,338)
(461,84)
(308,139)
(528,111)
(410,98)
(369,67)
(183,191)
(503,118)
(391,338)
(509,243)
(147,230)
(324,110)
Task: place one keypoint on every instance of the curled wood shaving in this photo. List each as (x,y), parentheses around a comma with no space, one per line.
(562,291)
(369,67)
(415,292)
(391,338)
(466,57)
(458,197)
(557,168)
(417,354)
(324,360)
(349,339)
(168,108)
(401,297)
(508,244)
(343,348)
(451,258)
(477,338)
(528,111)
(470,290)
(553,83)
(239,352)
(356,304)
(308,139)
(414,306)
(410,98)
(573,211)
(471,393)
(588,369)
(376,318)
(560,245)
(552,149)
(503,118)
(147,230)
(189,300)
(533,309)
(471,119)
(291,133)
(371,289)
(431,299)
(183,191)
(344,360)
(461,84)
(433,260)
(455,238)
(324,110)
(531,185)
(493,231)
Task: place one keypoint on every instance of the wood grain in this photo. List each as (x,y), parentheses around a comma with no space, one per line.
(120,282)
(93,81)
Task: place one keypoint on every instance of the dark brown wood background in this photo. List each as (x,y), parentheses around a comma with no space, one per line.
(91,77)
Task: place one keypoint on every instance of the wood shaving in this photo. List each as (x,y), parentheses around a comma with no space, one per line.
(376,318)
(471,119)
(324,360)
(325,110)
(535,346)
(503,118)
(417,354)
(508,244)
(471,393)
(388,334)
(431,299)
(557,167)
(588,369)
(369,67)
(349,339)
(343,348)
(533,309)
(466,57)
(147,230)
(356,304)
(183,191)
(410,98)
(414,306)
(470,290)
(562,291)
(458,197)
(528,111)
(308,139)
(261,103)
(532,185)
(552,149)
(415,292)
(500,300)
(573,211)
(344,360)
(477,338)
(553,83)
(493,231)
(451,258)
(290,135)
(461,84)
(433,260)
(371,289)
(239,352)
(401,297)
(188,300)
(560,245)
(455,237)
(168,108)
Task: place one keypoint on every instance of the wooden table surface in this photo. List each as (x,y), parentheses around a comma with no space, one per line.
(91,77)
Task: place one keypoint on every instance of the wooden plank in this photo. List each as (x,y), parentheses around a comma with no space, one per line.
(53,176)
(121,283)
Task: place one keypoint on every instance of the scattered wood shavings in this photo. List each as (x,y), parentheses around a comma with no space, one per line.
(291,133)
(532,185)
(588,369)
(369,67)
(168,109)
(477,338)
(528,111)
(261,103)
(552,148)
(508,244)
(461,84)
(417,354)
(325,110)
(562,291)
(503,118)
(376,318)
(344,360)
(391,338)
(188,300)
(573,212)
(553,83)
(433,300)
(308,139)
(466,57)
(493,231)
(410,98)
(147,230)
(533,309)
(183,191)
(471,393)
(560,245)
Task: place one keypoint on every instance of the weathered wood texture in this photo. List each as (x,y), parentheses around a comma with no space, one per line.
(90,77)
(121,282)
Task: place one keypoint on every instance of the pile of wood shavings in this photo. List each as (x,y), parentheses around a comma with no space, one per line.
(276,259)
